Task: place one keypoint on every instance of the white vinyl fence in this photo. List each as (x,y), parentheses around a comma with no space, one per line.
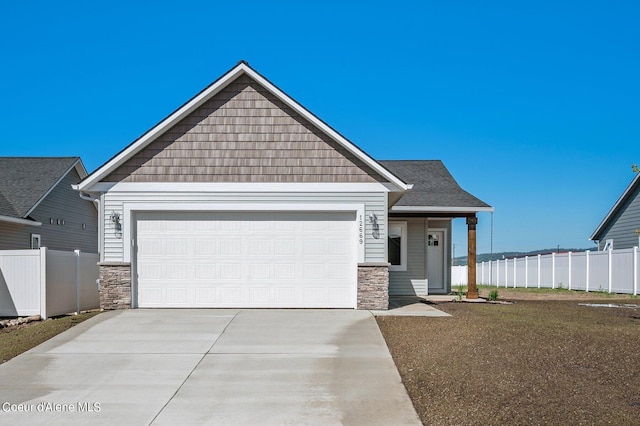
(47,282)
(613,271)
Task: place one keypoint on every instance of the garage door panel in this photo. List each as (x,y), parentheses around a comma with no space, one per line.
(260,295)
(246,259)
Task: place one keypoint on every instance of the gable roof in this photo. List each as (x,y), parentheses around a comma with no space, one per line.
(242,68)
(627,195)
(434,189)
(26,181)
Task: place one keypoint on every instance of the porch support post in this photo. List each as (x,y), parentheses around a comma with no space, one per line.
(472,289)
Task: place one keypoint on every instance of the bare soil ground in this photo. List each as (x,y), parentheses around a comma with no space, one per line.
(542,360)
(17,339)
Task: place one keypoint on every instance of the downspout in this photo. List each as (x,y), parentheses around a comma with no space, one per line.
(89,197)
(96,201)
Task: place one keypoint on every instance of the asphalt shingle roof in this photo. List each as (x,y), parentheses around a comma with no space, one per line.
(25,180)
(433,185)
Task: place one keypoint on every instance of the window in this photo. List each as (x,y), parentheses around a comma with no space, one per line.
(35,241)
(397,246)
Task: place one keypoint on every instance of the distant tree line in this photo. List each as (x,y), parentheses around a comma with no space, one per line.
(486,257)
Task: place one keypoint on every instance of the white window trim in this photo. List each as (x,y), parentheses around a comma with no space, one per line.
(35,237)
(403,245)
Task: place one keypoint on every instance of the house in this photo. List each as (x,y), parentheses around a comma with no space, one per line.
(244,198)
(39,208)
(620,228)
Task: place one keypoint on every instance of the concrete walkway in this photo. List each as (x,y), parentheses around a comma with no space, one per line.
(196,367)
(410,306)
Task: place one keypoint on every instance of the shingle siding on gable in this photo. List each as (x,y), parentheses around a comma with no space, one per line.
(622,230)
(244,134)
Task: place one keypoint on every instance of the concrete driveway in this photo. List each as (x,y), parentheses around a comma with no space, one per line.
(193,367)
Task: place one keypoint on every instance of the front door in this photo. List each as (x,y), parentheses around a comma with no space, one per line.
(435,260)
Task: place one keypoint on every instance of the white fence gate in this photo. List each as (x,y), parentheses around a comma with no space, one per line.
(47,282)
(613,271)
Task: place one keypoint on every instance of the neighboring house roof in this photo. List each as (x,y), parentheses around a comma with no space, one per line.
(434,189)
(26,181)
(632,190)
(242,68)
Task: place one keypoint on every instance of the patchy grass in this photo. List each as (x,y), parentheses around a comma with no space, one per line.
(549,293)
(532,362)
(18,339)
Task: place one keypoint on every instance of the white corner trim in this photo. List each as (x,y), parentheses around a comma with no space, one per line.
(131,208)
(439,209)
(19,221)
(207,94)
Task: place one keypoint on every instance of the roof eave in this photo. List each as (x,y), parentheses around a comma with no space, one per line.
(439,209)
(19,221)
(82,172)
(208,93)
(614,210)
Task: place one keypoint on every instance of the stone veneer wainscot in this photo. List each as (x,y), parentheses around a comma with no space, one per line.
(115,285)
(373,286)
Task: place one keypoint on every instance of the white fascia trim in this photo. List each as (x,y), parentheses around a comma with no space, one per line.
(160,128)
(131,208)
(212,91)
(615,207)
(243,187)
(400,185)
(19,221)
(429,209)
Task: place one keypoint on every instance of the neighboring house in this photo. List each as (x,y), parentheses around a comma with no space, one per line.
(39,208)
(620,228)
(243,198)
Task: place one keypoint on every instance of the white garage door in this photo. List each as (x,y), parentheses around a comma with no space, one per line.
(246,259)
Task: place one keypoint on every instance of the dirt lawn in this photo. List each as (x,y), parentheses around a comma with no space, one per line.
(542,360)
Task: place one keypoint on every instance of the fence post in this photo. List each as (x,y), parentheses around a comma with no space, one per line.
(635,271)
(515,268)
(497,273)
(506,273)
(586,285)
(77,252)
(526,272)
(43,283)
(610,269)
(569,270)
(553,271)
(539,260)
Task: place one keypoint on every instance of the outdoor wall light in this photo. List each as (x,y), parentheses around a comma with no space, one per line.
(115,219)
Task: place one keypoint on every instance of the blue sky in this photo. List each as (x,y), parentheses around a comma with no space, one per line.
(533,106)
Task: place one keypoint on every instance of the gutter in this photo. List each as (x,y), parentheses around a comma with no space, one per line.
(438,209)
(19,221)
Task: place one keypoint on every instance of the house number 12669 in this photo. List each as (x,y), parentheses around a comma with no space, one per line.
(360,229)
